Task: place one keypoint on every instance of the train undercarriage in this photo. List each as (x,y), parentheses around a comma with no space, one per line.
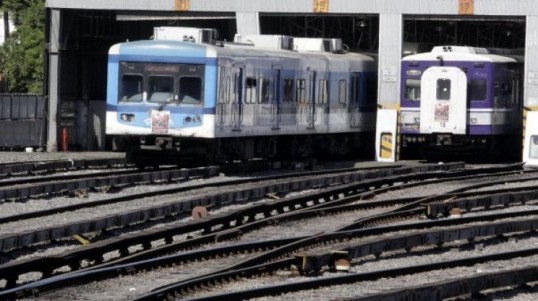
(187,151)
(449,147)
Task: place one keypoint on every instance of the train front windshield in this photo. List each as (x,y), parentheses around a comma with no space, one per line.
(161,82)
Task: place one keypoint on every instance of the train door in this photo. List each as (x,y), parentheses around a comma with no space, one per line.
(354,102)
(322,109)
(515,102)
(443,104)
(276,98)
(225,90)
(311,119)
(238,95)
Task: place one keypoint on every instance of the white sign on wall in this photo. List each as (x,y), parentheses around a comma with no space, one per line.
(389,74)
(533,77)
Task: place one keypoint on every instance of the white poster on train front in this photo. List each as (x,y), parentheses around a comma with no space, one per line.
(160,122)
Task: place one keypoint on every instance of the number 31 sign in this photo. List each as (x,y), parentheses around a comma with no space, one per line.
(466,7)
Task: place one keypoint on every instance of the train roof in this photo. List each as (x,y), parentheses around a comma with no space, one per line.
(261,52)
(160,48)
(171,48)
(463,53)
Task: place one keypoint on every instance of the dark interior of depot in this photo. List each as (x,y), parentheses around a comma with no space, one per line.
(86,37)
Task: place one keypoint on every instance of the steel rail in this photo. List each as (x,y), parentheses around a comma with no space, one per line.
(314,261)
(54,165)
(367,184)
(10,242)
(141,261)
(442,290)
(503,197)
(27,191)
(21,183)
(225,221)
(114,200)
(272,290)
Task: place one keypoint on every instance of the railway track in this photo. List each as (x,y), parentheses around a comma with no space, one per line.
(223,221)
(252,191)
(435,291)
(27,188)
(312,263)
(227,234)
(48,166)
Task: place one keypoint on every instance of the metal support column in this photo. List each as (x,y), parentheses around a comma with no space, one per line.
(390,51)
(531,63)
(54,73)
(530,94)
(248,23)
(390,54)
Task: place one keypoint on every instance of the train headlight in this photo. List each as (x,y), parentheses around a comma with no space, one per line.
(195,119)
(127,117)
(474,120)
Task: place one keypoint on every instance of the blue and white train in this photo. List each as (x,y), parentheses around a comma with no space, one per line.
(216,103)
(461,100)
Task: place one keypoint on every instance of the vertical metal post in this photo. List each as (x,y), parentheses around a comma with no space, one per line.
(530,91)
(54,73)
(531,63)
(390,54)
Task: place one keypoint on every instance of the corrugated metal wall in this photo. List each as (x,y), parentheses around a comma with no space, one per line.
(433,7)
(22,120)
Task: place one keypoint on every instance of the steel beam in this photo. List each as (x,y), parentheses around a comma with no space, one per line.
(54,76)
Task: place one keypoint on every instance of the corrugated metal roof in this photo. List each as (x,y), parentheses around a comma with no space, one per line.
(412,7)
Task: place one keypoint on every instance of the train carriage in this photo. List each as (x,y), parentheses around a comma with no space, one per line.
(461,101)
(175,99)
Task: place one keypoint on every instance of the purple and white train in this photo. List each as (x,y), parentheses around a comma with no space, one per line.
(461,100)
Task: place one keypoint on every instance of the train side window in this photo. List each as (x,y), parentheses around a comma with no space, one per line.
(251,90)
(412,89)
(322,95)
(264,90)
(443,89)
(288,90)
(131,88)
(301,89)
(515,91)
(190,90)
(356,89)
(342,91)
(477,89)
(161,88)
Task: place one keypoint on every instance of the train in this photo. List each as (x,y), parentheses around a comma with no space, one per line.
(461,101)
(187,97)
(195,99)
